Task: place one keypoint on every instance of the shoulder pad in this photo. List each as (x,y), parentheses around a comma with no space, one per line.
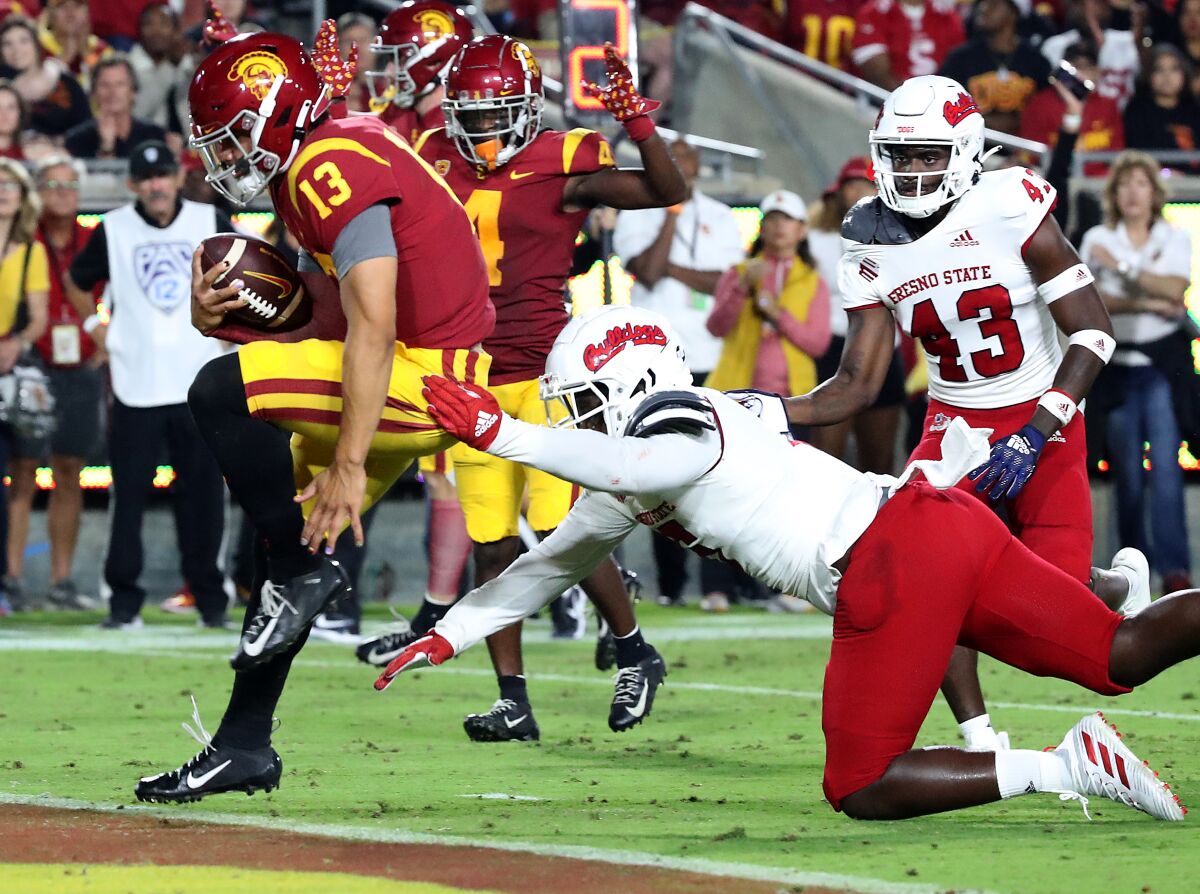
(671,411)
(767,406)
(871,222)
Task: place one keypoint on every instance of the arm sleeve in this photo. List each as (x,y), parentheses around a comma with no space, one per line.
(91,264)
(367,235)
(728,304)
(602,463)
(593,527)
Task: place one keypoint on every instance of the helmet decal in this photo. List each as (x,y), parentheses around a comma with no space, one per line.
(956,111)
(596,355)
(435,22)
(525,56)
(258,71)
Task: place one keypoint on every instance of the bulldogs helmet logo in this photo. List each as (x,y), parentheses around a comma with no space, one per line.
(617,338)
(258,71)
(957,111)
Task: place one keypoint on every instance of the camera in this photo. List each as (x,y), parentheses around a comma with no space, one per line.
(1069,77)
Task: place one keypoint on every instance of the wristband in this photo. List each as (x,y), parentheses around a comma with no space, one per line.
(1071,122)
(1098,342)
(1070,280)
(89,325)
(1058,404)
(640,128)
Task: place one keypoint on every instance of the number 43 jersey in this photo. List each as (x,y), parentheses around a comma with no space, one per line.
(962,289)
(528,238)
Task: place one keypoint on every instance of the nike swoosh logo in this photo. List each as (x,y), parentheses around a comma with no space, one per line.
(255,647)
(194,782)
(511,723)
(377,657)
(513,175)
(640,708)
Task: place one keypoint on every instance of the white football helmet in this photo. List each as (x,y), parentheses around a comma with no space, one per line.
(617,355)
(928,111)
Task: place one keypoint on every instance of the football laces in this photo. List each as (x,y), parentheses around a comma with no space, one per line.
(258,304)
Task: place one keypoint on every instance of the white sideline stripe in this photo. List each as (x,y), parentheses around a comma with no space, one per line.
(699,866)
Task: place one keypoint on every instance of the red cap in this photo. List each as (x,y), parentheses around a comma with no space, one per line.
(857,168)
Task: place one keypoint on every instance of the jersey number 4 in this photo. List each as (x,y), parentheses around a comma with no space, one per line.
(483,207)
(928,327)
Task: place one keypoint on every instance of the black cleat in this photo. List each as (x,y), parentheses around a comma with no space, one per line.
(568,614)
(285,610)
(381,650)
(636,686)
(213,771)
(507,721)
(606,648)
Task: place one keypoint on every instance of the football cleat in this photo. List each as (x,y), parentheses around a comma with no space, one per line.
(635,689)
(1101,765)
(606,647)
(568,613)
(507,721)
(380,651)
(335,627)
(285,610)
(182,602)
(65,595)
(134,623)
(1132,565)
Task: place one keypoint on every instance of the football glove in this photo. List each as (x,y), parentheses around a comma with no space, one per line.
(217,29)
(337,73)
(469,412)
(1011,464)
(430,650)
(621,99)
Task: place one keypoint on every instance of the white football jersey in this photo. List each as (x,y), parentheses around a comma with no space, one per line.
(964,291)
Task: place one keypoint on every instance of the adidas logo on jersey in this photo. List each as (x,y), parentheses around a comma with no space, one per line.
(868,269)
(484,422)
(963,240)
(1081,275)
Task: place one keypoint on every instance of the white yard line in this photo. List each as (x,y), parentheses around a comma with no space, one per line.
(577,852)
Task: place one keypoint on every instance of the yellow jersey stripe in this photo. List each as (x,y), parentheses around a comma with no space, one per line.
(309,152)
(571,141)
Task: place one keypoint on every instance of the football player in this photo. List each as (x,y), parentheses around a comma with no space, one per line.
(975,267)
(399,289)
(723,477)
(528,192)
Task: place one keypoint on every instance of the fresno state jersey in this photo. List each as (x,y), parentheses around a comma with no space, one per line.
(409,124)
(962,289)
(527,238)
(345,166)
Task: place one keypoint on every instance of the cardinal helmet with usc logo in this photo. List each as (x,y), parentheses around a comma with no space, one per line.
(414,48)
(494,100)
(252,100)
(928,111)
(606,361)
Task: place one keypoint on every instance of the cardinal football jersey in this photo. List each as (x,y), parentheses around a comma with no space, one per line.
(527,237)
(409,124)
(963,289)
(346,165)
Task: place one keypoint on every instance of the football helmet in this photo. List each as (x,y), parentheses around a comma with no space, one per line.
(494,100)
(413,50)
(614,356)
(252,100)
(928,111)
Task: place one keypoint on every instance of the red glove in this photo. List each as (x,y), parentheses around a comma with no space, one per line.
(327,60)
(217,29)
(430,650)
(469,412)
(621,98)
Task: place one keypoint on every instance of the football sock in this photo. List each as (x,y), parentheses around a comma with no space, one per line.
(1022,772)
(513,688)
(977,732)
(256,461)
(631,648)
(449,547)
(428,615)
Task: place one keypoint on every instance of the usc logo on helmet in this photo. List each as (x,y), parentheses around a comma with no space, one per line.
(525,56)
(258,70)
(434,23)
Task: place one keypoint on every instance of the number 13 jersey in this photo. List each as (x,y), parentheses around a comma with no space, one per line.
(962,289)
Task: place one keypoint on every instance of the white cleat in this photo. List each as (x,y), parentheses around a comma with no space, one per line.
(1101,765)
(1132,564)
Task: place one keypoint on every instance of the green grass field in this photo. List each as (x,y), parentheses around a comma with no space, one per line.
(727,769)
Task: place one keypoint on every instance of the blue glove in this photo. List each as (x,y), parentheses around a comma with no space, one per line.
(1011,464)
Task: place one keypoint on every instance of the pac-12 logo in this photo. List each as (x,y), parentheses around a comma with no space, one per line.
(258,70)
(164,271)
(595,356)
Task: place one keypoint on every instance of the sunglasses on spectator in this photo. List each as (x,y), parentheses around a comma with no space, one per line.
(60,184)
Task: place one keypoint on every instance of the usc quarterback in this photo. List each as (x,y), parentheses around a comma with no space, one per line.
(528,191)
(400,290)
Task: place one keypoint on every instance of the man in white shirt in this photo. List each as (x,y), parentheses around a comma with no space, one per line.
(1118,56)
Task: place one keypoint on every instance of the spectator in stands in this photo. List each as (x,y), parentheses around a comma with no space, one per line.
(1185,34)
(1163,113)
(895,40)
(116,21)
(678,255)
(65,33)
(1143,267)
(24,284)
(822,29)
(56,101)
(14,118)
(114,131)
(77,385)
(1119,59)
(1001,70)
(144,250)
(875,428)
(163,69)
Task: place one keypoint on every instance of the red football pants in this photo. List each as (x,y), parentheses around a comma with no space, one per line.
(934,570)
(1052,515)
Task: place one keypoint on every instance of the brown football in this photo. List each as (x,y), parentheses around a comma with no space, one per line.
(276,300)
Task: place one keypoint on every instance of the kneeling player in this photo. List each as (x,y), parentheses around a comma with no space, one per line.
(701,467)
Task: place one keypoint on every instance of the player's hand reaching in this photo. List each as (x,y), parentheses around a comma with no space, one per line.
(217,29)
(430,650)
(327,59)
(621,99)
(469,412)
(209,304)
(1011,464)
(339,492)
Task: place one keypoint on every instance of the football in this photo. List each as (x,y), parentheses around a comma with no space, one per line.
(276,300)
